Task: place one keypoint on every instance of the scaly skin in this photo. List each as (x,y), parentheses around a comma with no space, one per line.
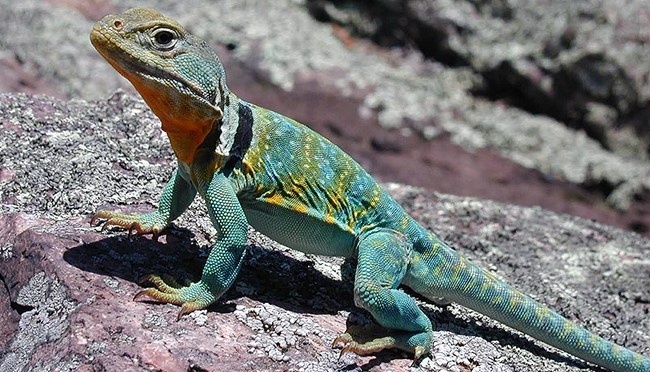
(254,166)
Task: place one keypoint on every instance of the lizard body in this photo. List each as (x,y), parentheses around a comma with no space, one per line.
(255,166)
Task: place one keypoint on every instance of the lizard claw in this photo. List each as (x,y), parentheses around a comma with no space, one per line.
(167,290)
(344,339)
(189,307)
(349,348)
(131,228)
(419,352)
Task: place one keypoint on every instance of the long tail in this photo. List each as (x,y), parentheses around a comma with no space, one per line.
(461,281)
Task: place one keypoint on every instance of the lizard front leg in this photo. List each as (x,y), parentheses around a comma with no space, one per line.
(383,260)
(175,199)
(225,258)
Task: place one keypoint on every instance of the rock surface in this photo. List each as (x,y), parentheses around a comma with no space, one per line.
(66,293)
(529,102)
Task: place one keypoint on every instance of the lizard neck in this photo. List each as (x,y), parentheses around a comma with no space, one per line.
(186,123)
(185,145)
(205,159)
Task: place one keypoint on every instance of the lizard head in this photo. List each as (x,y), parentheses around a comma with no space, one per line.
(177,73)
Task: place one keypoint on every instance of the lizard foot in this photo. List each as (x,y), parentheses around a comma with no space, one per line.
(140,224)
(167,290)
(368,343)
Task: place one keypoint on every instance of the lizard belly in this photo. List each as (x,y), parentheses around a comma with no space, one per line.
(300,231)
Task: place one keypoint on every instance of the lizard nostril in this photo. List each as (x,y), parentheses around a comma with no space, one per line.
(117,24)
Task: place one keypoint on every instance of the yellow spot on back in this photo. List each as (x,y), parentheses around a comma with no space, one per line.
(300,208)
(276,199)
(330,219)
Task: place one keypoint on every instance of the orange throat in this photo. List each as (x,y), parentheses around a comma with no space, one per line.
(186,126)
(186,137)
(185,145)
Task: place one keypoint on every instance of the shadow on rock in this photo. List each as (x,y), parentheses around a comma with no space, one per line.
(266,275)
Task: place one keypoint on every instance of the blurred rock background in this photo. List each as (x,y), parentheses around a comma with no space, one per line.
(529,102)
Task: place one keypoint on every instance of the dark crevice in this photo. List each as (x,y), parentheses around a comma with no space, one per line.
(639,227)
(599,188)
(502,84)
(4,283)
(639,120)
(592,93)
(20,309)
(392,24)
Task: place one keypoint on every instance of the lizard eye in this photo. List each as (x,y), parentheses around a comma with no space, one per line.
(164,38)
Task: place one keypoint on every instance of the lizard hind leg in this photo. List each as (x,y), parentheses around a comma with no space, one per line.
(383,258)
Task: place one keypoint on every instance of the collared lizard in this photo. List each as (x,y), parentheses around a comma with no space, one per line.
(255,166)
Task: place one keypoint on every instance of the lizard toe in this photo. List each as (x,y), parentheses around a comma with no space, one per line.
(366,340)
(369,347)
(101,215)
(188,307)
(166,289)
(164,283)
(155,294)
